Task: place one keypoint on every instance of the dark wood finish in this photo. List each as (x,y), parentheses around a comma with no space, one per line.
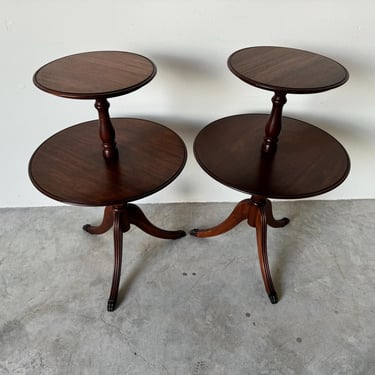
(271,156)
(134,215)
(273,125)
(105,225)
(245,210)
(97,75)
(120,225)
(287,70)
(258,213)
(106,131)
(121,217)
(308,161)
(68,167)
(150,157)
(94,75)
(130,159)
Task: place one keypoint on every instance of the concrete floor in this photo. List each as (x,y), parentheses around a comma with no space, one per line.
(191,306)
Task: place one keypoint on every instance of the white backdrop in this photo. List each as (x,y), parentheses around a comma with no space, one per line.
(189,41)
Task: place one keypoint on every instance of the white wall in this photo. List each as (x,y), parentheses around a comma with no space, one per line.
(189,41)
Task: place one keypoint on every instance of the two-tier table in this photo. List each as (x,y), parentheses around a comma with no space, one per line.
(106,162)
(271,156)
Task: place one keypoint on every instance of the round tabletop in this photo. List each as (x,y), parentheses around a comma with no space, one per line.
(93,75)
(308,161)
(150,157)
(287,69)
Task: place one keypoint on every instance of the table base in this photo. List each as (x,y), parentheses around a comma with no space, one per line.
(258,212)
(120,217)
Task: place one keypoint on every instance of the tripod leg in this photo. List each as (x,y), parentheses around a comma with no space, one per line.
(138,218)
(117,237)
(239,213)
(261,232)
(271,221)
(106,224)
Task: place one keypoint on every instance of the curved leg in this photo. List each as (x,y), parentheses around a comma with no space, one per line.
(121,216)
(138,218)
(239,213)
(106,224)
(117,236)
(261,232)
(271,221)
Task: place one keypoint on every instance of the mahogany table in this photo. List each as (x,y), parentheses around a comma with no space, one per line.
(130,159)
(271,156)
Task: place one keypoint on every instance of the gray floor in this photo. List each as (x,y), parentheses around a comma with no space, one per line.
(191,306)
